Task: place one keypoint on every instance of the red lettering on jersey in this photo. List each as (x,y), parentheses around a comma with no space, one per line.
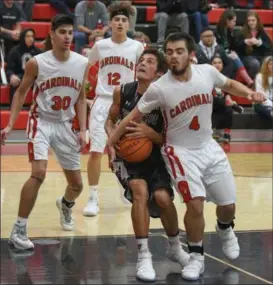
(59,82)
(47,85)
(177,110)
(111,60)
(122,61)
(72,83)
(106,61)
(183,106)
(189,103)
(66,81)
(102,63)
(172,113)
(204,100)
(117,60)
(197,99)
(192,101)
(208,98)
(42,87)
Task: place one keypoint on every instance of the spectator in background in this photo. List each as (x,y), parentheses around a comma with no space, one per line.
(264,83)
(18,57)
(208,48)
(223,108)
(91,17)
(170,13)
(61,6)
(253,43)
(265,5)
(26,8)
(10,18)
(226,38)
(143,38)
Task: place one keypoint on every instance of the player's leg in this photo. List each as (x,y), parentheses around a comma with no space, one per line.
(186,174)
(221,190)
(141,221)
(38,155)
(66,148)
(98,139)
(159,184)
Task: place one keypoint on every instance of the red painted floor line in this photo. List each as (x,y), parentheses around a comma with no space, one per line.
(244,147)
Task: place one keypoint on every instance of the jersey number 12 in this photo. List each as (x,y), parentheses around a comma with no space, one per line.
(194,125)
(114,79)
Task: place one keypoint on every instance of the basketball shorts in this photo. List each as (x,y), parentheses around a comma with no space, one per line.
(59,136)
(156,177)
(97,119)
(203,172)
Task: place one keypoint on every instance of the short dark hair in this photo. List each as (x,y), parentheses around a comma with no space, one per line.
(175,37)
(161,62)
(120,8)
(61,19)
(206,29)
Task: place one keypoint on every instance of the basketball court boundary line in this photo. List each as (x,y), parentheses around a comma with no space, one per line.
(231,265)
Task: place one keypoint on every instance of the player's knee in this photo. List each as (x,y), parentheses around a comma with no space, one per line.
(195,207)
(162,198)
(77,187)
(39,175)
(227,210)
(140,193)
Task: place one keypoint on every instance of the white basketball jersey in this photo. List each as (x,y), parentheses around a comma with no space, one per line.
(186,106)
(58,85)
(117,63)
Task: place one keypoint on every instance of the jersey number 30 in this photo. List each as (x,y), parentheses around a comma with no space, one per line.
(61,103)
(194,125)
(114,79)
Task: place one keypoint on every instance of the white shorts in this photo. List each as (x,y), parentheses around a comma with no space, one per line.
(44,134)
(97,119)
(204,172)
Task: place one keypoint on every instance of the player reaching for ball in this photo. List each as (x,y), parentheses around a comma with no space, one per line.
(147,184)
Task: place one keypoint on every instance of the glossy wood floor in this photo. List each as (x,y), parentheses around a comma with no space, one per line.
(253,172)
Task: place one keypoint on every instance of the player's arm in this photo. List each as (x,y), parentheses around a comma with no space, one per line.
(114,112)
(81,105)
(31,72)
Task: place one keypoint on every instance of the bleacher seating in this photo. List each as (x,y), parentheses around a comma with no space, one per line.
(43,13)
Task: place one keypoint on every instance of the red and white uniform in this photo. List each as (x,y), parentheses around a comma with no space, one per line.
(117,65)
(56,91)
(198,165)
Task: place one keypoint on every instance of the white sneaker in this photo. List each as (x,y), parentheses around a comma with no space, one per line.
(66,219)
(178,255)
(144,267)
(230,244)
(18,238)
(195,267)
(92,207)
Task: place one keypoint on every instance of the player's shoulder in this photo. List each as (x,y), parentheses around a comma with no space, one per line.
(134,42)
(79,57)
(104,42)
(162,81)
(204,67)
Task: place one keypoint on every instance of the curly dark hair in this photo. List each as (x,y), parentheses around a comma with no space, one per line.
(124,6)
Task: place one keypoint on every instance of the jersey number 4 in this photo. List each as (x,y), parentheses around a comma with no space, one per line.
(114,79)
(194,125)
(61,103)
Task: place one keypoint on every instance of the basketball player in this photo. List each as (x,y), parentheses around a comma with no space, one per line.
(58,77)
(197,164)
(148,182)
(117,58)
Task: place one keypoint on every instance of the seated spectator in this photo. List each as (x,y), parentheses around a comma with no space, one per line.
(264,83)
(253,43)
(265,4)
(141,37)
(18,57)
(226,38)
(91,17)
(10,18)
(61,7)
(223,108)
(26,8)
(170,13)
(208,48)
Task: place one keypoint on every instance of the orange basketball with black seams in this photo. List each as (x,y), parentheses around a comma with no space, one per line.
(134,150)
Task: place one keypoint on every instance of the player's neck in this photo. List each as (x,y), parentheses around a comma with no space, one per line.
(118,39)
(186,76)
(61,55)
(142,86)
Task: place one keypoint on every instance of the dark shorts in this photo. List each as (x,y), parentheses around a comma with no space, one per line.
(155,175)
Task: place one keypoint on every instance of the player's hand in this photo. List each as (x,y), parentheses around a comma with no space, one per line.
(82,139)
(256,97)
(111,151)
(138,130)
(4,134)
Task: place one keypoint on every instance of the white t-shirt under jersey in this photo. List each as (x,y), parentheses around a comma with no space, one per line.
(58,85)
(117,63)
(186,106)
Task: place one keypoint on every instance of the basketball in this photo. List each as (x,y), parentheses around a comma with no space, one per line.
(134,150)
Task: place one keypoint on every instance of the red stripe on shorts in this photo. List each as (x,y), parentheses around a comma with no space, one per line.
(184,190)
(30,151)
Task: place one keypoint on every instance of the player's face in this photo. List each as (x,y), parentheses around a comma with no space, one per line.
(62,37)
(218,64)
(178,57)
(29,38)
(119,25)
(147,68)
(252,22)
